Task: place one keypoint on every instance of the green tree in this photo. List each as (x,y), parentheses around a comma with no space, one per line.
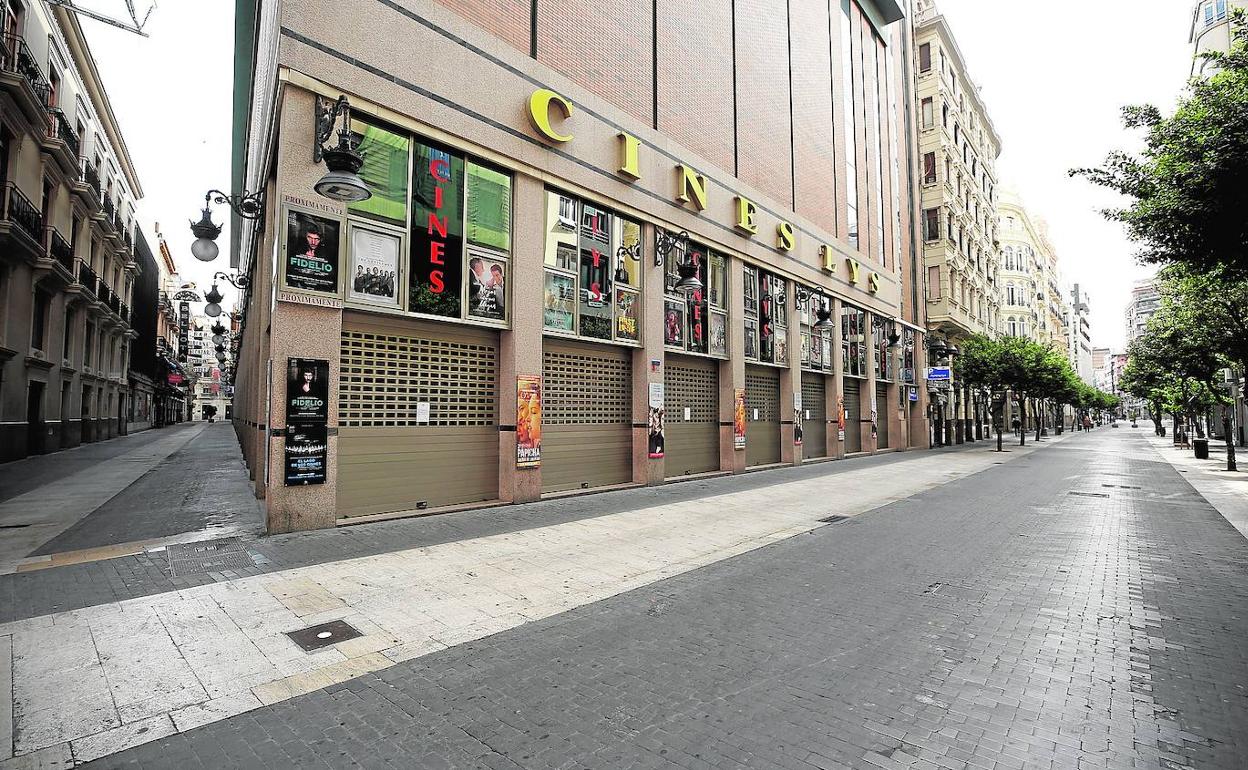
(1186,189)
(979,366)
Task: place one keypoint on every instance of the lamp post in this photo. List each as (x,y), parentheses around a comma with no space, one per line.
(664,244)
(248,206)
(341,181)
(938,354)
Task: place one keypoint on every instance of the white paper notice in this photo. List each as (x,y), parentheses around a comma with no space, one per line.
(688,414)
(422,412)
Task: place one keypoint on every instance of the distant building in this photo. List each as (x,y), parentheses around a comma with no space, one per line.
(1145,299)
(67,260)
(1032,303)
(1079,335)
(210,382)
(1211,31)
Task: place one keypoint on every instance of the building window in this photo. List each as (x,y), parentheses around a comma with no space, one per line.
(88,344)
(39,319)
(944,115)
(880,331)
(931,225)
(593,271)
(766,317)
(933,282)
(927,112)
(851,123)
(67,338)
(697,322)
(853,341)
(925,57)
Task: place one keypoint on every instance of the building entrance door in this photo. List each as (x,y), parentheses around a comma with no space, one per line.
(34,419)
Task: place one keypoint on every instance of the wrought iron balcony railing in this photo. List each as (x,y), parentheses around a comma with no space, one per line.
(59,128)
(87,277)
(107,207)
(60,250)
(103,293)
(20,211)
(18,59)
(117,222)
(91,176)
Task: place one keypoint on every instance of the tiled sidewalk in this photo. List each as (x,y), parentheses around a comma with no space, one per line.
(98,679)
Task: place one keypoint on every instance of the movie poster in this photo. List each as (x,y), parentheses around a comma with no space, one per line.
(306,447)
(627,324)
(656,422)
(311,252)
(718,334)
(674,323)
(797,419)
(559,299)
(738,418)
(374,267)
(307,390)
(840,418)
(487,288)
(528,420)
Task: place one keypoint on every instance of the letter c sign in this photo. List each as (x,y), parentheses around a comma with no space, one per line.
(539,113)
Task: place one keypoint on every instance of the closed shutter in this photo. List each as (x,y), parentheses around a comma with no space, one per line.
(762,433)
(390,456)
(853,416)
(882,407)
(587,435)
(691,445)
(814,416)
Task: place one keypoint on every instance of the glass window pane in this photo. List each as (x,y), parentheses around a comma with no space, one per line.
(385,171)
(437,242)
(489,207)
(627,251)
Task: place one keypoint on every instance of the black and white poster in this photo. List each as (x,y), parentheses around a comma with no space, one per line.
(307,391)
(306,447)
(374,276)
(311,252)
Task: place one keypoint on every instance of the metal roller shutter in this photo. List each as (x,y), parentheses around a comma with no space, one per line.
(587,435)
(882,408)
(814,416)
(762,434)
(691,445)
(388,460)
(853,416)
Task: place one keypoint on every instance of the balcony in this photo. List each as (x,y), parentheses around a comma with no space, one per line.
(87,278)
(61,142)
(60,251)
(21,76)
(107,211)
(21,225)
(86,185)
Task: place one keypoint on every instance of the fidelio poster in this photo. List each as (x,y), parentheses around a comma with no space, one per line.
(305,454)
(307,391)
(311,252)
(738,419)
(528,420)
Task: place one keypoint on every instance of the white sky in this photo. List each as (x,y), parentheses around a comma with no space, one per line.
(1053,74)
(172,95)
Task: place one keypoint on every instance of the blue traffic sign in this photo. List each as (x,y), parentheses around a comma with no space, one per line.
(939,373)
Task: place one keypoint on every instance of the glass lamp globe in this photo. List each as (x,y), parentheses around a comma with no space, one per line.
(204,250)
(212,310)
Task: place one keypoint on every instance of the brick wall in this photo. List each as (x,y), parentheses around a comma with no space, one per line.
(817,174)
(695,81)
(605,46)
(507,19)
(764,159)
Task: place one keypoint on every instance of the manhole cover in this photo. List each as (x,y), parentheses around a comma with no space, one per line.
(323,635)
(834,519)
(1088,494)
(208,556)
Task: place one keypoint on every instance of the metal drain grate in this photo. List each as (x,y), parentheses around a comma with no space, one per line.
(1088,494)
(1120,486)
(834,519)
(208,556)
(323,635)
(13,526)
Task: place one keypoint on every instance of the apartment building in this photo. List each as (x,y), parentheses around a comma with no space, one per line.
(1032,303)
(1145,301)
(1210,31)
(958,150)
(67,264)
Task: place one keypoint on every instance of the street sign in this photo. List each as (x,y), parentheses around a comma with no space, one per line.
(913,393)
(937,373)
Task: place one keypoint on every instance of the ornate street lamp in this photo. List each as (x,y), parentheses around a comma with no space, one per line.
(664,244)
(248,206)
(213,298)
(342,181)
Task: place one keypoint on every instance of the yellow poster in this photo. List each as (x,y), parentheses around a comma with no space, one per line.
(738,419)
(528,420)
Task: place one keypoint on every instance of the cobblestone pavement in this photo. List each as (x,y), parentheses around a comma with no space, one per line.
(1081,606)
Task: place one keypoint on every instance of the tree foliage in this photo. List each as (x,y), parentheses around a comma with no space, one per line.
(1186,190)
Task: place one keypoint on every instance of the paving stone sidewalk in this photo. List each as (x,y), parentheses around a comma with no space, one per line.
(1078,607)
(26,595)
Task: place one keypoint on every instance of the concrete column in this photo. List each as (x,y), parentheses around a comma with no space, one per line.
(732,371)
(520,348)
(791,384)
(834,396)
(867,393)
(646,470)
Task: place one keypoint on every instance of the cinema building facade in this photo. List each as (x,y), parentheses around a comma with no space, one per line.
(609,246)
